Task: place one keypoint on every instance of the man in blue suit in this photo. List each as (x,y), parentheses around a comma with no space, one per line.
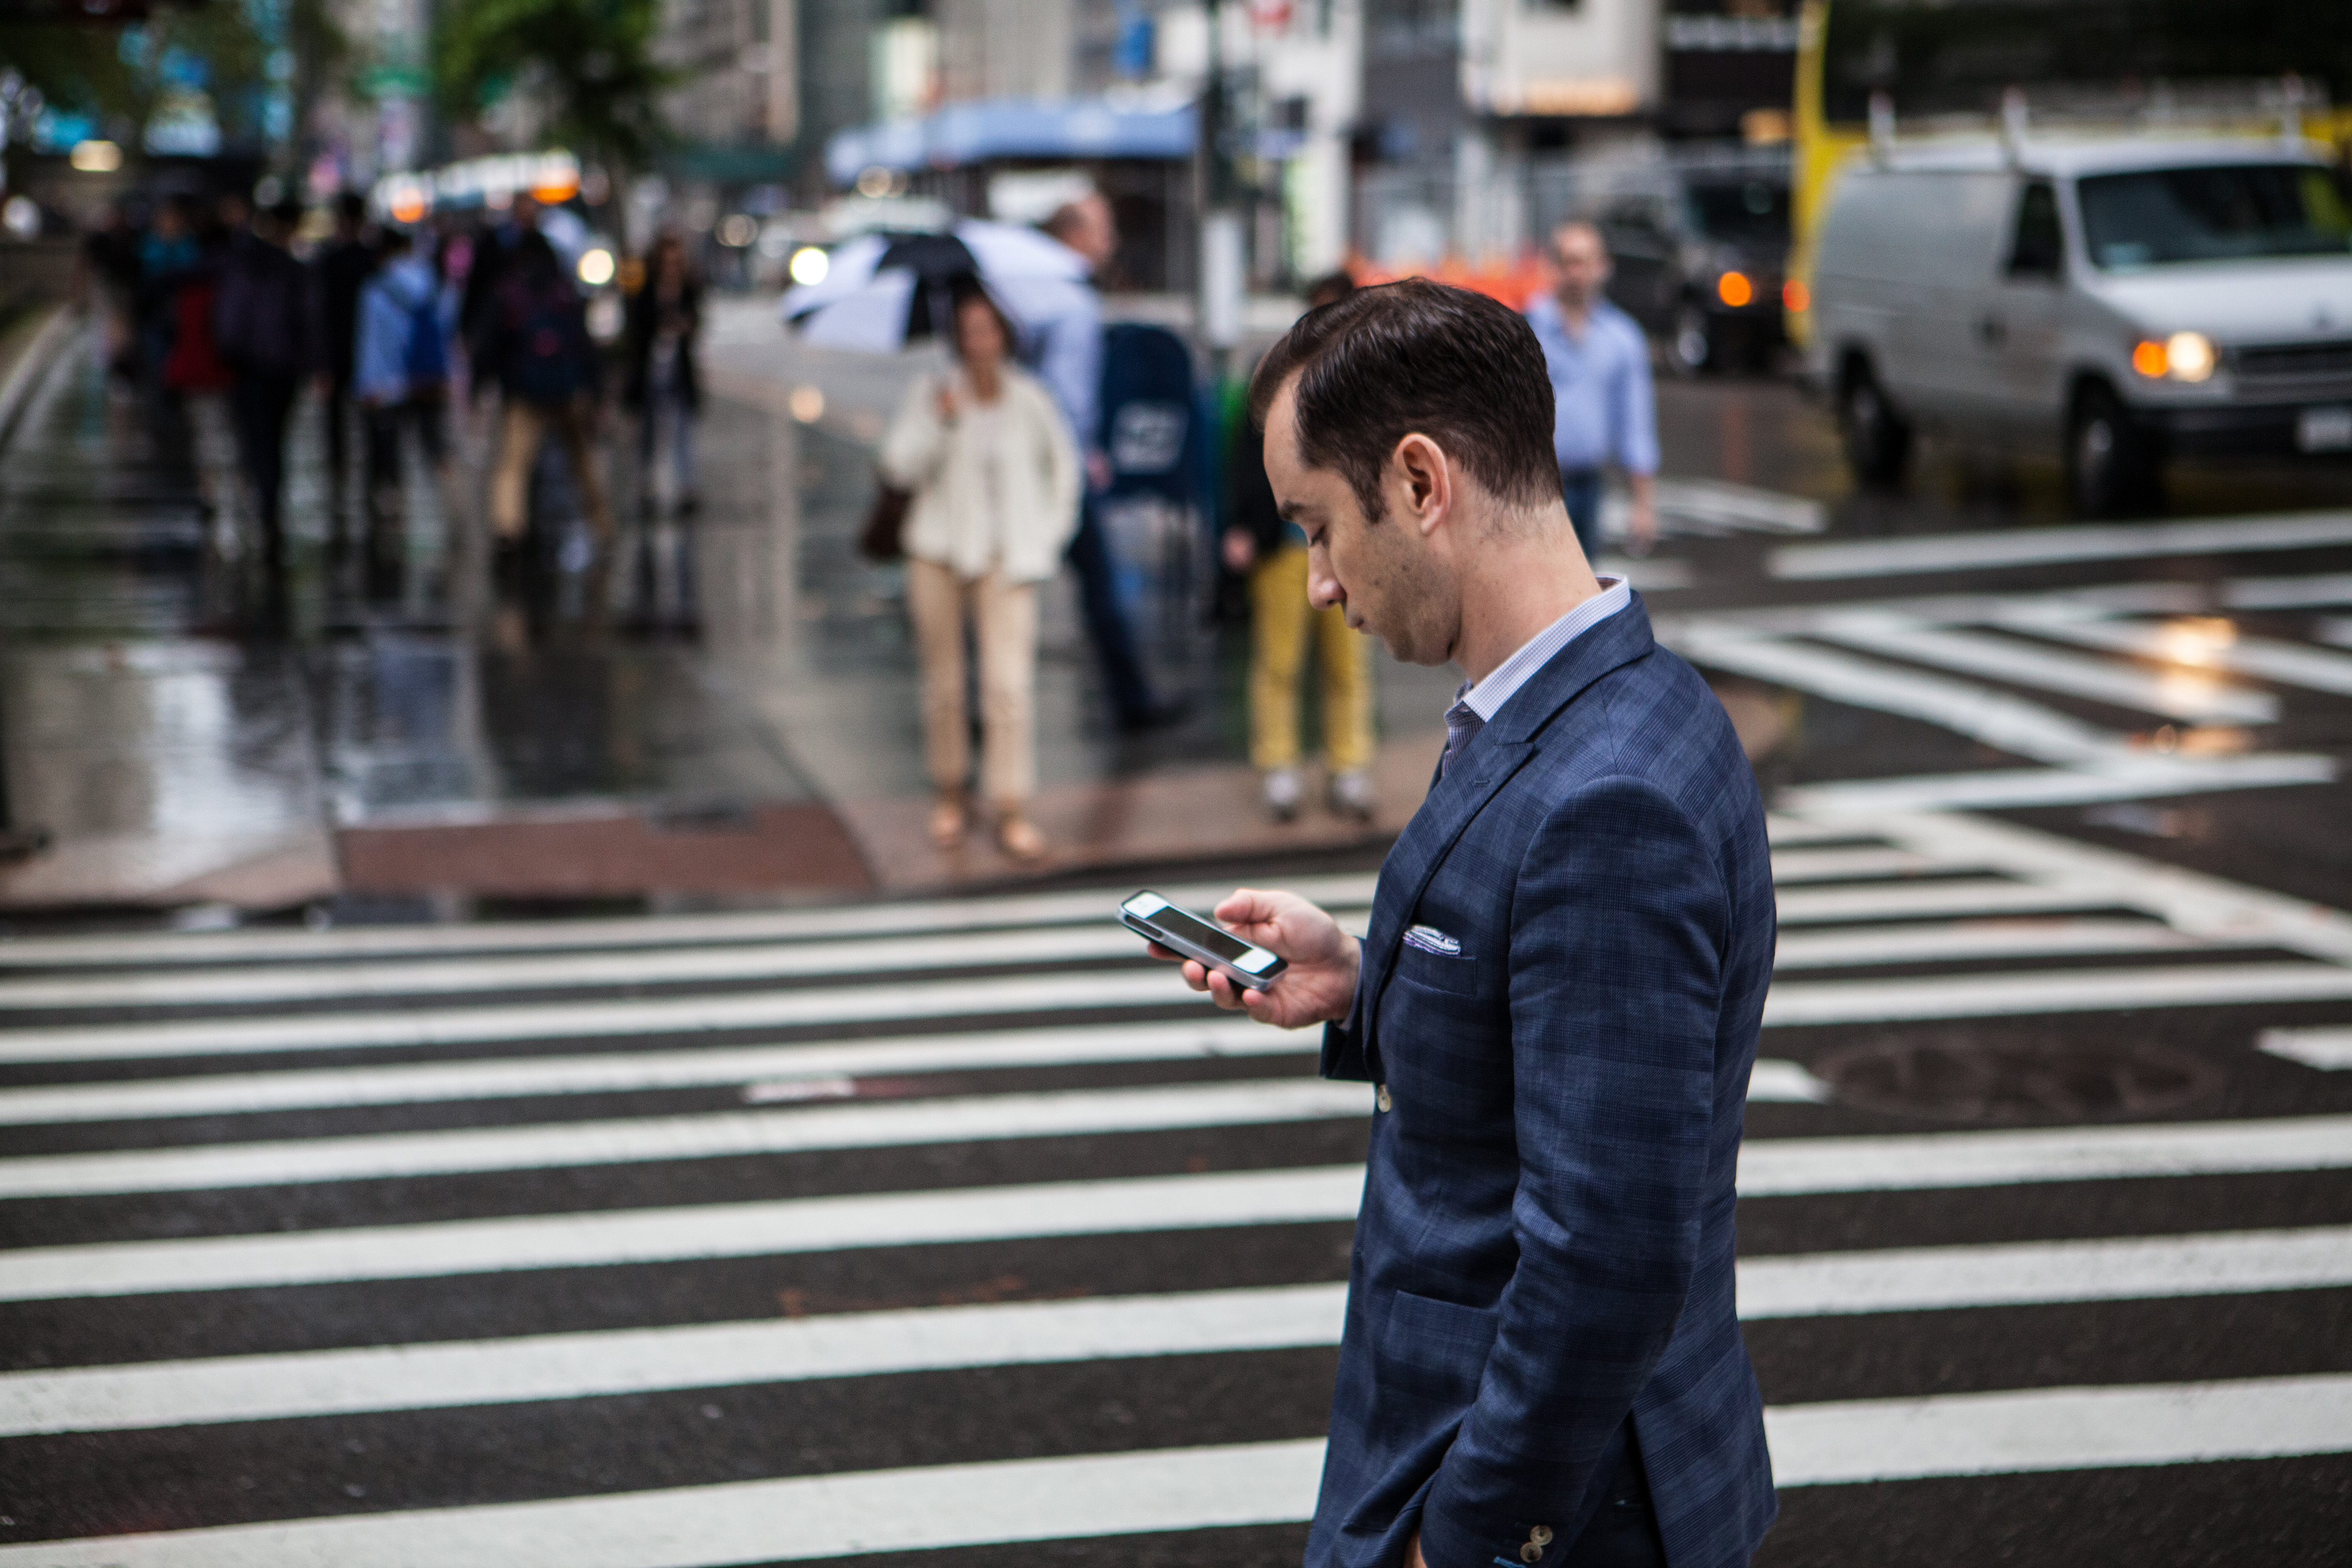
(1558,1000)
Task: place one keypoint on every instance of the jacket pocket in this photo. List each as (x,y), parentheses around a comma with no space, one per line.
(1436,1349)
(1439,971)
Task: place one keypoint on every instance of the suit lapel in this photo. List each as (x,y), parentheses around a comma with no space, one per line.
(1497,752)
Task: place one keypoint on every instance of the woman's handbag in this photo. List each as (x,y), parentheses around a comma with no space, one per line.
(886,521)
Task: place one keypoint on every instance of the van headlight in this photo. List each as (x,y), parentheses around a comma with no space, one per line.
(2183,356)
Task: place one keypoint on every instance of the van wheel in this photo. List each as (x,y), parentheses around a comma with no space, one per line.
(2113,470)
(1877,439)
(1691,347)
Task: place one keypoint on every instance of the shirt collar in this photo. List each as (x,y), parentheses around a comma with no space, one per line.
(1486,698)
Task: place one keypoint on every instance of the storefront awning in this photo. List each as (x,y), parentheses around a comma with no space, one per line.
(966,133)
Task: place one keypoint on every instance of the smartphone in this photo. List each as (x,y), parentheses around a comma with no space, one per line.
(1180,930)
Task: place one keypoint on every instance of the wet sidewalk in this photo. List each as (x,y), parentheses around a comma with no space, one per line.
(427,754)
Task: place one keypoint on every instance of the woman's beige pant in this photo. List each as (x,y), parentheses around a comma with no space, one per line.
(1005,618)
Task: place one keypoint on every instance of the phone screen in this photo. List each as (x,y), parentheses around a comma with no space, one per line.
(1208,938)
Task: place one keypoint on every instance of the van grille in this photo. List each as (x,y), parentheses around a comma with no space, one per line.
(2299,362)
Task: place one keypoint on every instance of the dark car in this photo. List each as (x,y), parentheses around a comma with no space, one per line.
(1701,246)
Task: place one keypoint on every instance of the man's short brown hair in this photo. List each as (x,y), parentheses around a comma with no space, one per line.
(1460,368)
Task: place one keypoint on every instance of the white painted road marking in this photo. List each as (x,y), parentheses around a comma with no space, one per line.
(2040,546)
(2328,1050)
(1767,1168)
(712,1355)
(1199,1488)
(1794,1002)
(637,1139)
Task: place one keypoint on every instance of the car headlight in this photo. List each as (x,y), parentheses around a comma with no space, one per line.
(2183,356)
(595,266)
(809,265)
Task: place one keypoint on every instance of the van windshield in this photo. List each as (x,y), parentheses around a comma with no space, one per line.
(1750,210)
(2228,213)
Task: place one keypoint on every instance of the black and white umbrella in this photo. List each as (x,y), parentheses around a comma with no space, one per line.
(881,291)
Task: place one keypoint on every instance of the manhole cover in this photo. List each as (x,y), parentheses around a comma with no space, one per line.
(2016,1080)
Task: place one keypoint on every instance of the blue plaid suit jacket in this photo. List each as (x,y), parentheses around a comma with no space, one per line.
(1546,1242)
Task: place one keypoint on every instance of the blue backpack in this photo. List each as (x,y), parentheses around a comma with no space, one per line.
(548,363)
(426,361)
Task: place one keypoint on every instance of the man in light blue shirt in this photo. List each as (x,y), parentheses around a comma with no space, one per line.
(1068,353)
(1603,411)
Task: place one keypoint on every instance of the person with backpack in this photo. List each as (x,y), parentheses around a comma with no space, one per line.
(400,375)
(536,346)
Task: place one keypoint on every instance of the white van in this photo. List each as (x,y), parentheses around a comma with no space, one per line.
(2115,303)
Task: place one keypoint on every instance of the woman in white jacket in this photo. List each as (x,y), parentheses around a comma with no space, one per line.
(996,481)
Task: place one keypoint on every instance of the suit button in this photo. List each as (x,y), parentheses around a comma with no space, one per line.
(1530,1553)
(1540,1535)
(1381,1098)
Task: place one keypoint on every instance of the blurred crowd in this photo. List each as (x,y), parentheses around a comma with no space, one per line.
(219,318)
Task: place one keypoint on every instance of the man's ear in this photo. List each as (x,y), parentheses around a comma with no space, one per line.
(1424,479)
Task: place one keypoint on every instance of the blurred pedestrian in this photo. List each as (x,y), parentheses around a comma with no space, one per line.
(401,377)
(265,323)
(169,259)
(1260,542)
(665,317)
(1069,351)
(342,267)
(535,344)
(109,289)
(996,487)
(491,255)
(1603,411)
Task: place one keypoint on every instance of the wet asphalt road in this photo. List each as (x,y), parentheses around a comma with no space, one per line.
(2060,848)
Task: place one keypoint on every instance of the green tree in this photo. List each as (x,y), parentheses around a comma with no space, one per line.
(589,63)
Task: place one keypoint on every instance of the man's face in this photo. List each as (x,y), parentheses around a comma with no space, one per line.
(1383,574)
(1582,264)
(1094,236)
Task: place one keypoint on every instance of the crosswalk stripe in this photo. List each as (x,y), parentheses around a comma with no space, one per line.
(2328,1050)
(2059,1430)
(2052,991)
(1915,901)
(1923,942)
(1780,1167)
(2126,776)
(2289,664)
(1211,1035)
(709,1355)
(945,916)
(830,1068)
(1767,1168)
(2203,702)
(1013,1501)
(2040,546)
(1948,942)
(1308,1196)
(360,982)
(363,981)
(1844,1001)
(1070,1113)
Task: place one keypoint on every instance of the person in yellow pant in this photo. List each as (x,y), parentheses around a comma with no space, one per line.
(1273,553)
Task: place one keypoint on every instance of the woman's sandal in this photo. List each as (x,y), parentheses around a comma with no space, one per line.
(947,823)
(1020,839)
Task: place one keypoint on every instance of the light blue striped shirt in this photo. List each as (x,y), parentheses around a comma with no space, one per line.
(1486,697)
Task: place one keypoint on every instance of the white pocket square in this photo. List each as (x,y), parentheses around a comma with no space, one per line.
(1429,939)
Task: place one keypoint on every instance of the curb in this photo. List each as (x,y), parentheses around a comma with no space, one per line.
(40,349)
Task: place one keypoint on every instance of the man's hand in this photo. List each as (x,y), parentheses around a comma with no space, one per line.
(1319,987)
(1643,531)
(1241,549)
(1412,1558)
